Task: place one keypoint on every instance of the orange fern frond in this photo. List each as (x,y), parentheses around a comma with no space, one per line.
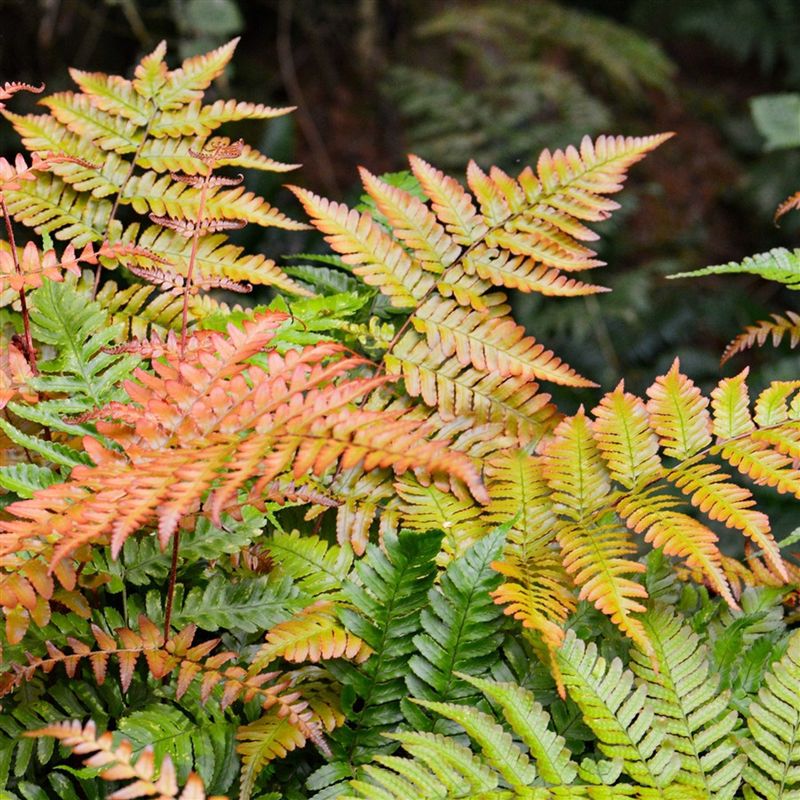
(314,634)
(115,762)
(775,329)
(292,416)
(720,500)
(679,535)
(789,204)
(491,343)
(15,375)
(10,88)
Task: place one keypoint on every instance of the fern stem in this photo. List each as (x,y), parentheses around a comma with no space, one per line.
(115,208)
(173,573)
(192,259)
(30,354)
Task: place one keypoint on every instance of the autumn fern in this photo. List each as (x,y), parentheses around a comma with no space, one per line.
(133,147)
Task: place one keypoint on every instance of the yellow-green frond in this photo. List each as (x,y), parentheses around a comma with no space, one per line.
(772,405)
(375,255)
(490,342)
(730,402)
(711,492)
(679,414)
(625,439)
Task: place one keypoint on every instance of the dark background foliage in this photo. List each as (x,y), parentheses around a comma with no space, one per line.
(498,81)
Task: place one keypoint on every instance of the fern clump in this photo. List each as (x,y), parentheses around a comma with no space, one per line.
(341,543)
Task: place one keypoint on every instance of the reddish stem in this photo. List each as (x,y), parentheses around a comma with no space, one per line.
(26,320)
(190,270)
(173,573)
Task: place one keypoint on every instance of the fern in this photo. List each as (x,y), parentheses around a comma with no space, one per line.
(387,602)
(773,723)
(441,260)
(115,762)
(461,630)
(121,136)
(698,718)
(304,425)
(193,740)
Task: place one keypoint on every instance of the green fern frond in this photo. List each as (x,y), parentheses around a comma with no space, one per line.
(316,567)
(461,629)
(618,713)
(249,605)
(496,744)
(531,723)
(196,738)
(772,771)
(387,599)
(699,721)
(779,264)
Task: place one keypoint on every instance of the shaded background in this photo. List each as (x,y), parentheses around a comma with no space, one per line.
(498,81)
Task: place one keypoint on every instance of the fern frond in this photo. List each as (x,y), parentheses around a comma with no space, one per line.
(391,592)
(574,469)
(442,769)
(450,202)
(772,405)
(531,723)
(525,412)
(764,465)
(81,116)
(776,329)
(375,255)
(594,551)
(307,425)
(497,745)
(678,414)
(730,402)
(526,274)
(490,343)
(195,119)
(313,634)
(536,589)
(113,94)
(260,742)
(726,502)
(115,762)
(10,88)
(699,720)
(425,508)
(678,534)
(773,721)
(160,194)
(317,567)
(779,265)
(413,224)
(191,79)
(50,206)
(215,257)
(623,435)
(618,713)
(461,627)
